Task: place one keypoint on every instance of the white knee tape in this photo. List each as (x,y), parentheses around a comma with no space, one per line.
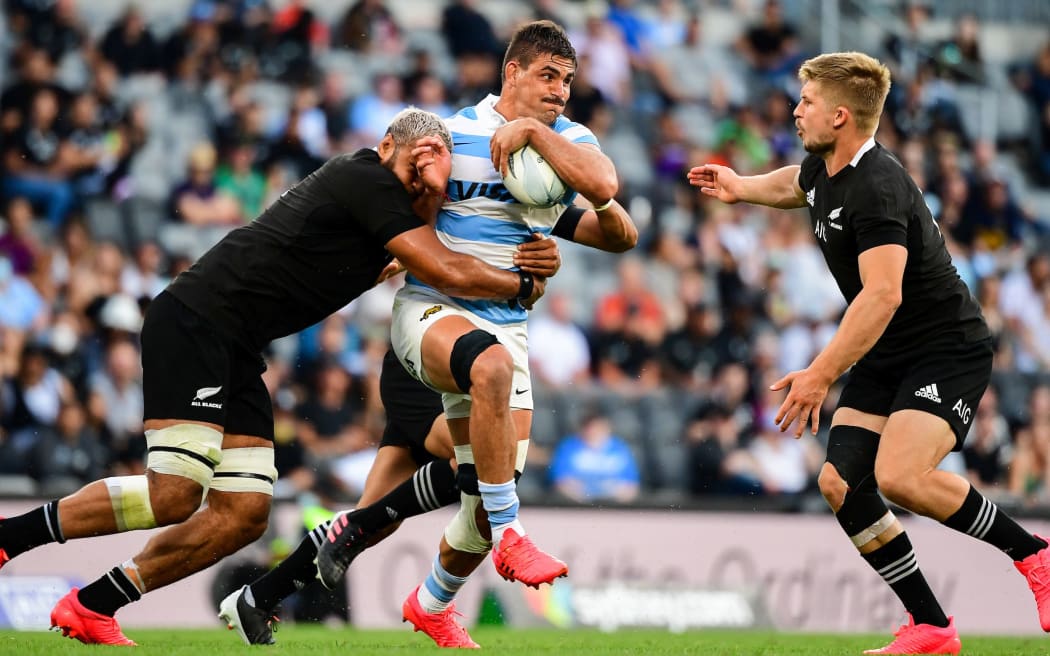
(462,532)
(188,450)
(129,496)
(245,470)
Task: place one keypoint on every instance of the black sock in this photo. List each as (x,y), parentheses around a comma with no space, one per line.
(111,591)
(28,531)
(433,486)
(291,574)
(982,519)
(896,564)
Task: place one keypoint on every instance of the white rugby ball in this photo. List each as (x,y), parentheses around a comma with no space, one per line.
(531,180)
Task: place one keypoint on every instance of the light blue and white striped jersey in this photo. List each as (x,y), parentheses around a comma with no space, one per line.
(480,216)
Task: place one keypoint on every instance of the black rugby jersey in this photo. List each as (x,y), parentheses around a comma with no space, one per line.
(875,203)
(315,249)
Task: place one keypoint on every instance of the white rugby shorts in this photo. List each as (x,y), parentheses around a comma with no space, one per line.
(416,309)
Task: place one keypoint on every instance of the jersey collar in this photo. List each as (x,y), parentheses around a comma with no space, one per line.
(868,145)
(487,109)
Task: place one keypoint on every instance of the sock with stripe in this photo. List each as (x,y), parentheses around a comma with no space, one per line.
(293,573)
(110,592)
(895,562)
(500,501)
(33,529)
(982,519)
(433,486)
(439,588)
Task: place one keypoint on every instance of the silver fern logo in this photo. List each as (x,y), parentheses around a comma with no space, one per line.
(206,393)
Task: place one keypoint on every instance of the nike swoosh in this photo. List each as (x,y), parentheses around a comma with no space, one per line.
(521,391)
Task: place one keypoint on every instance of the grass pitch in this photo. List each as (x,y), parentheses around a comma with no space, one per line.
(321,641)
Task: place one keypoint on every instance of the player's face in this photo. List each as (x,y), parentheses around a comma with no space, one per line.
(814,118)
(541,90)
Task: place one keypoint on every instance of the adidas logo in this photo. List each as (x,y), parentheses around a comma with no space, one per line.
(929,392)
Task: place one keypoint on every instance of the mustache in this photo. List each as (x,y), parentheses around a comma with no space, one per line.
(555,101)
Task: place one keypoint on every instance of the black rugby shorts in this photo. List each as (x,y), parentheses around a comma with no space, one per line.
(946,377)
(411,408)
(192,372)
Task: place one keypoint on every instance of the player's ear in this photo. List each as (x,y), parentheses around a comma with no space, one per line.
(386,147)
(842,114)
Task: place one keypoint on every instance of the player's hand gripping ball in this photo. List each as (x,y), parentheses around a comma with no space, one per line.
(531,180)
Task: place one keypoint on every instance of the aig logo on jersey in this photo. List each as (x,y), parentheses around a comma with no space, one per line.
(206,393)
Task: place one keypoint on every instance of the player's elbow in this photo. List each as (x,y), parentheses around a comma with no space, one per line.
(888,297)
(626,241)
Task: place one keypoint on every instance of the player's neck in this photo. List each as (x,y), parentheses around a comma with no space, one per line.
(846,148)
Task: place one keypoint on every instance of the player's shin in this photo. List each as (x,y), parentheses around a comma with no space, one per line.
(432,486)
(291,574)
(35,528)
(872,528)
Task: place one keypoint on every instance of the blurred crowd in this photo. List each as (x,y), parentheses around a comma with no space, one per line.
(129,146)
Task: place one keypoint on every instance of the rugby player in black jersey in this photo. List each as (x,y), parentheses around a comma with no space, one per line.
(208,419)
(913,339)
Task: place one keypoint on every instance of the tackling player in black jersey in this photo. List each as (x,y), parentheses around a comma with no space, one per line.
(208,419)
(913,340)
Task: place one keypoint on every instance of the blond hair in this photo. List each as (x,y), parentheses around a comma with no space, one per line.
(413,123)
(853,79)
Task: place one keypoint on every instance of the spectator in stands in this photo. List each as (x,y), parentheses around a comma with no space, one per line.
(369,26)
(770,46)
(35,161)
(1030,467)
(988,448)
(559,356)
(36,72)
(115,401)
(907,50)
(629,327)
(959,58)
(716,463)
(1022,306)
(142,277)
(57,29)
(87,154)
(594,465)
(19,242)
(468,32)
(372,111)
(604,57)
(328,424)
(236,177)
(1037,87)
(31,399)
(130,45)
(70,453)
(783,464)
(689,354)
(197,200)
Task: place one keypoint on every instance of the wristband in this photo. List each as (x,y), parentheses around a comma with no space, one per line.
(606,205)
(528,284)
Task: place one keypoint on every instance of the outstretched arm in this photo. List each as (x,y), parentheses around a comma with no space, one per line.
(777,188)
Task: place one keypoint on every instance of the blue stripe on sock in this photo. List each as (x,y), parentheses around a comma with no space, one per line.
(434,588)
(500,502)
(447,580)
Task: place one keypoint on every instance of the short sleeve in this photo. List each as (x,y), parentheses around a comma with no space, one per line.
(881,215)
(373,195)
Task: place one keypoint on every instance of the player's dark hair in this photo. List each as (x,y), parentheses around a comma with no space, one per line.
(536,39)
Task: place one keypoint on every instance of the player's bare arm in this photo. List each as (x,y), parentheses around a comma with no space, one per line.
(779,188)
(610,229)
(582,167)
(458,274)
(866,318)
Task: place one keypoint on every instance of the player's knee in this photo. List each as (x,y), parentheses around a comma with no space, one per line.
(832,486)
(174,499)
(244,518)
(898,485)
(463,361)
(492,372)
